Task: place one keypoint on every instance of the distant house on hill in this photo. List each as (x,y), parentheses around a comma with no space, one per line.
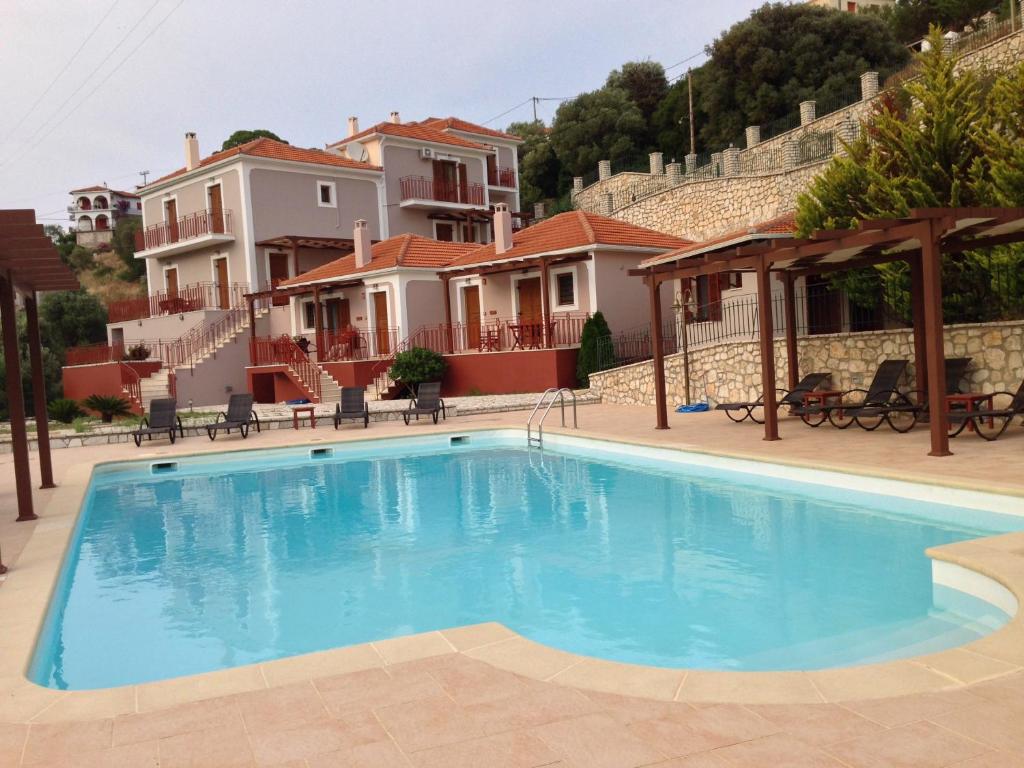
(95,211)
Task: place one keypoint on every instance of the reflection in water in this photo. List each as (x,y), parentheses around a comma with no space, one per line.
(176,576)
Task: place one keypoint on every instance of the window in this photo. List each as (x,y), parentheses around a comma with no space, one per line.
(325,194)
(565,283)
(308,314)
(444,232)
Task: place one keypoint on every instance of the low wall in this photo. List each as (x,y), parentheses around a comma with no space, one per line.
(501,373)
(351,373)
(733,370)
(273,384)
(80,381)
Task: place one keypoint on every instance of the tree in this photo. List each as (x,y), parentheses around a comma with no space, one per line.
(594,337)
(123,244)
(241,137)
(417,365)
(539,169)
(51,371)
(999,175)
(64,240)
(601,125)
(645,83)
(761,68)
(910,19)
(71,318)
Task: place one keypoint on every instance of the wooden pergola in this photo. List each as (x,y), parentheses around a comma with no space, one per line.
(29,264)
(921,240)
(316,289)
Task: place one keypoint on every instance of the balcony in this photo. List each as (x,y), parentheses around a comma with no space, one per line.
(424,192)
(188,298)
(186,233)
(501,177)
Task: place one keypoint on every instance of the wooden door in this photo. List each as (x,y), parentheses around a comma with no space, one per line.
(446,181)
(223,289)
(278,273)
(529,300)
(471,300)
(380,316)
(171,217)
(338,315)
(171,278)
(444,232)
(216,209)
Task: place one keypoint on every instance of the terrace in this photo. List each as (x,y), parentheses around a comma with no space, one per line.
(184,234)
(188,298)
(427,192)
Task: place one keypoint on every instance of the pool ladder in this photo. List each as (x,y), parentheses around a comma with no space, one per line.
(551,394)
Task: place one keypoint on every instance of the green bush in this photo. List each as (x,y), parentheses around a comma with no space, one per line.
(64,410)
(417,365)
(137,352)
(594,335)
(108,406)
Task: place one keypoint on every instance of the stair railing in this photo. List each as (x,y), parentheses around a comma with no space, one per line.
(284,351)
(131,383)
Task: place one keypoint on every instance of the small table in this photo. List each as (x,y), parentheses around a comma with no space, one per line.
(822,396)
(304,410)
(490,340)
(970,402)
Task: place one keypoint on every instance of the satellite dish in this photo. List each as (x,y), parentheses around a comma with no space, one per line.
(356,151)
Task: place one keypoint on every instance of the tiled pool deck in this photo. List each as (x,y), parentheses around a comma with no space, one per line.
(482,696)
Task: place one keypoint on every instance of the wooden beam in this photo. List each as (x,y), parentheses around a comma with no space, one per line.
(767,338)
(35,357)
(16,401)
(931,276)
(318,323)
(658,356)
(789,315)
(917,321)
(545,300)
(446,282)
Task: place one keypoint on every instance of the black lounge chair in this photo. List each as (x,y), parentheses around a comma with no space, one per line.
(240,415)
(163,419)
(427,402)
(902,416)
(989,423)
(793,398)
(352,406)
(869,412)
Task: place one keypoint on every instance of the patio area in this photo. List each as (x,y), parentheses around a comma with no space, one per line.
(484,696)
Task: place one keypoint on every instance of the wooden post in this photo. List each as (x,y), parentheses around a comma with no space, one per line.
(446,282)
(16,401)
(544,301)
(35,356)
(657,354)
(252,316)
(789,315)
(931,280)
(295,260)
(318,323)
(764,314)
(917,319)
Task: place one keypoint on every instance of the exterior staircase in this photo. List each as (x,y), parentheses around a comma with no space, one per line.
(330,391)
(154,387)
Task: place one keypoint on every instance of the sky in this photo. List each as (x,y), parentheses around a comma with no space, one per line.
(98,90)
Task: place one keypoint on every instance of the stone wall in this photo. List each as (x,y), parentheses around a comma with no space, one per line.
(732,370)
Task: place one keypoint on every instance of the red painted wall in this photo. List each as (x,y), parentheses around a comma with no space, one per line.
(80,381)
(500,373)
(273,384)
(145,368)
(353,373)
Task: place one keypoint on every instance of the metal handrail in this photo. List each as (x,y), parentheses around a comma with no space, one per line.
(555,392)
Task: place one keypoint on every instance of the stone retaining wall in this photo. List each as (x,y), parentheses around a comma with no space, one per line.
(732,370)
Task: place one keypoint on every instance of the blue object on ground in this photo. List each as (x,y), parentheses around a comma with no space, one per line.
(299,401)
(694,408)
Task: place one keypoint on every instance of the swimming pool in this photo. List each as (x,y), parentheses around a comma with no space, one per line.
(624,553)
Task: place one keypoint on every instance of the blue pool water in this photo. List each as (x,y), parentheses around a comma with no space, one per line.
(237,558)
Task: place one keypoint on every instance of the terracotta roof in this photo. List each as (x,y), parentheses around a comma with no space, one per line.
(457,124)
(276,150)
(574,229)
(772,228)
(402,250)
(416,131)
(96,188)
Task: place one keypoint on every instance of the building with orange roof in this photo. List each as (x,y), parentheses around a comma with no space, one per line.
(95,211)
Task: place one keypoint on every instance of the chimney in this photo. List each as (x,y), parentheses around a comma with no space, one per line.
(191,151)
(361,236)
(353,125)
(502,228)
(394,118)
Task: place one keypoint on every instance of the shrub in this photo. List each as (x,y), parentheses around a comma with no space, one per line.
(417,365)
(594,335)
(108,406)
(64,410)
(137,352)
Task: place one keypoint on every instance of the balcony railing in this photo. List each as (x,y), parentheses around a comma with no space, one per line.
(501,177)
(356,344)
(424,188)
(184,228)
(499,334)
(188,298)
(282,350)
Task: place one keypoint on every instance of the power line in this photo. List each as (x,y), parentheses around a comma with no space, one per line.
(101,81)
(60,74)
(513,109)
(535,99)
(688,58)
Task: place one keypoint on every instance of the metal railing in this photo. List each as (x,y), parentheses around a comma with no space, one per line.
(188,298)
(131,383)
(282,350)
(556,393)
(501,177)
(186,227)
(425,188)
(353,343)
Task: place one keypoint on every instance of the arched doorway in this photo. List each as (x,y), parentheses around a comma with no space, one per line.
(84,224)
(102,223)
(84,204)
(100,203)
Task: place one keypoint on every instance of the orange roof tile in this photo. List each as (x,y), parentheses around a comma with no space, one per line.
(400,251)
(780,225)
(276,150)
(457,124)
(566,231)
(416,131)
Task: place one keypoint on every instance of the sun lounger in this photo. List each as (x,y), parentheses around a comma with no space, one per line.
(240,416)
(352,406)
(427,402)
(793,398)
(162,420)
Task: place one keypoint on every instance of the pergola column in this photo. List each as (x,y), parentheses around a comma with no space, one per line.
(16,401)
(789,316)
(931,279)
(657,354)
(544,301)
(446,282)
(318,323)
(35,355)
(917,320)
(764,315)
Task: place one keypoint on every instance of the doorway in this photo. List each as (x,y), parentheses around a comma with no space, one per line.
(220,269)
(471,301)
(529,300)
(380,319)
(171,282)
(278,265)
(171,218)
(216,209)
(338,316)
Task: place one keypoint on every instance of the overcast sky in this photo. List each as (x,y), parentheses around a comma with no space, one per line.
(153,69)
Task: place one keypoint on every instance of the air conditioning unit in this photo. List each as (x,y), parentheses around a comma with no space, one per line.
(426,153)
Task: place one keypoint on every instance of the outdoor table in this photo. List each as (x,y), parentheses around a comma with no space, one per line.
(299,411)
(970,402)
(490,340)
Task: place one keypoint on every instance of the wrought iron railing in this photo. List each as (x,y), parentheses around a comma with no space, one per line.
(501,177)
(440,190)
(131,383)
(353,343)
(183,228)
(282,350)
(188,298)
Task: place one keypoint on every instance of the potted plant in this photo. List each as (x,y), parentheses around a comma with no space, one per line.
(415,366)
(137,352)
(302,343)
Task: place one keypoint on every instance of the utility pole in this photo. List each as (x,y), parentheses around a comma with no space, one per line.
(689,87)
(143,174)
(535,99)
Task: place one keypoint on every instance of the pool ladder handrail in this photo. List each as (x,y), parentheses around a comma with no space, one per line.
(556,393)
